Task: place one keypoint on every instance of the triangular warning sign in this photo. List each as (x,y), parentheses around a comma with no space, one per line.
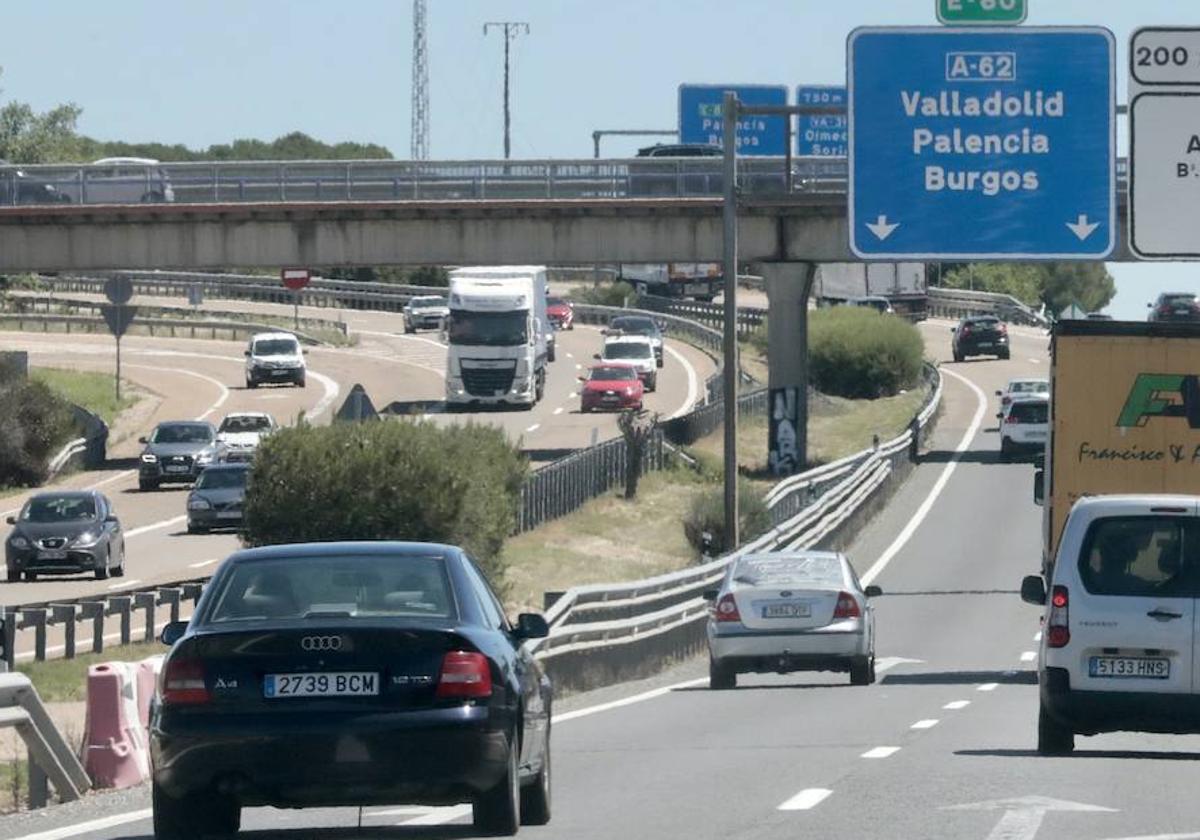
(357,407)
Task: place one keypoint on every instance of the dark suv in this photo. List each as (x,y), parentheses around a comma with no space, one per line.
(1175,306)
(980,335)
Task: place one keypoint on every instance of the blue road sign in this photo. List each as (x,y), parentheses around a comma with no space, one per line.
(822,135)
(971,144)
(700,117)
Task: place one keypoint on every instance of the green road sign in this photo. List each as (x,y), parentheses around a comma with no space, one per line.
(970,12)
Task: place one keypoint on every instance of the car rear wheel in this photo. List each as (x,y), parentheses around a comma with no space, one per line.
(30,576)
(862,670)
(958,357)
(195,816)
(721,677)
(652,383)
(300,382)
(251,384)
(498,812)
(1005,355)
(1053,737)
(535,796)
(13,576)
(145,484)
(1006,451)
(102,570)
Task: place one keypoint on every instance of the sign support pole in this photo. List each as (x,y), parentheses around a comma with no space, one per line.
(729,121)
(296,309)
(118,370)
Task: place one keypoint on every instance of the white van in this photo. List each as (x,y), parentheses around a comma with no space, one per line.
(1118,648)
(274,357)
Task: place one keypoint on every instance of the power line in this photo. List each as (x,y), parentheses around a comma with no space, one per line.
(420,85)
(512,28)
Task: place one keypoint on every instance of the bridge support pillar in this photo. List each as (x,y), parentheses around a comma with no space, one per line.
(788,287)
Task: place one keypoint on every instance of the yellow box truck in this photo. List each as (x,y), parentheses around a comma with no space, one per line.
(1124,415)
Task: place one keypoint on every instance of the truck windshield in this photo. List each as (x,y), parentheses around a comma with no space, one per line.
(490,329)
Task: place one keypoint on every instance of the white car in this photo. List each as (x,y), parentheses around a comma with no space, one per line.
(119,180)
(1024,425)
(1022,388)
(425,312)
(239,435)
(635,350)
(1119,632)
(791,611)
(274,357)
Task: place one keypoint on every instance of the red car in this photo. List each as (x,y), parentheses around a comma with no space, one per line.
(560,313)
(611,385)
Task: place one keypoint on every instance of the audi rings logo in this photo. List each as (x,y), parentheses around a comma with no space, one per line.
(316,643)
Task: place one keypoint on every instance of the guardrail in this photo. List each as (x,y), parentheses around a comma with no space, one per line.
(172,328)
(51,757)
(72,448)
(749,318)
(960,303)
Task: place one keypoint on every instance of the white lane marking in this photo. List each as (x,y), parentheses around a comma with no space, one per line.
(332,389)
(125,584)
(1037,637)
(627,701)
(954,705)
(534,427)
(928,723)
(988,687)
(1029,656)
(573,395)
(805,799)
(91,825)
(1036,361)
(558,410)
(413,810)
(156,526)
(881,752)
(578,367)
(906,534)
(204,563)
(224,392)
(440,816)
(889,662)
(692,391)
(570,355)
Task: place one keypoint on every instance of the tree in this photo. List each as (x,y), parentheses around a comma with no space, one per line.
(29,137)
(1088,284)
(1055,285)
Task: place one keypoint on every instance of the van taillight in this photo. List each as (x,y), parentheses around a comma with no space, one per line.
(1012,418)
(464,674)
(1058,633)
(847,606)
(183,683)
(726,609)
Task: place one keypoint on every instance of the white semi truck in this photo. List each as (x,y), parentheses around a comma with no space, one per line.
(498,335)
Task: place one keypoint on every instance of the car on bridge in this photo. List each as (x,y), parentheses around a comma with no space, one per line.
(19,187)
(642,325)
(428,312)
(65,533)
(118,180)
(1175,306)
(240,433)
(791,611)
(176,451)
(636,350)
(980,335)
(1024,425)
(350,674)
(614,385)
(217,499)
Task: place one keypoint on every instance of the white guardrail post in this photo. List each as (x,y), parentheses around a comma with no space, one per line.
(21,708)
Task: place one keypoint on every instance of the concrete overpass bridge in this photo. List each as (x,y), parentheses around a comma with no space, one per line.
(400,212)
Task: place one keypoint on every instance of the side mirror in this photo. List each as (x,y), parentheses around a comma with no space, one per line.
(173,632)
(1149,305)
(953,329)
(12,520)
(596,356)
(142,440)
(999,415)
(112,517)
(246,353)
(531,626)
(305,351)
(1033,590)
(873,591)
(710,594)
(999,393)
(581,378)
(1039,487)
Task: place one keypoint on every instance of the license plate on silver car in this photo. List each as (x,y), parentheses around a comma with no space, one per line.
(1144,667)
(786,611)
(336,684)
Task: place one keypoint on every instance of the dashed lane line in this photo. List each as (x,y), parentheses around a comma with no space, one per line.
(558,410)
(806,799)
(1029,656)
(125,584)
(201,564)
(988,687)
(534,427)
(881,752)
(954,705)
(692,389)
(928,723)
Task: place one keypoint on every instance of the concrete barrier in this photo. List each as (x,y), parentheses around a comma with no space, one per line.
(115,752)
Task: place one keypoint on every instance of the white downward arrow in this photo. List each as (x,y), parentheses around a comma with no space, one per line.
(1082,228)
(881,228)
(1023,815)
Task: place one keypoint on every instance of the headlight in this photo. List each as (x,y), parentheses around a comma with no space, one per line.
(199,504)
(148,458)
(204,458)
(87,539)
(17,541)
(629,390)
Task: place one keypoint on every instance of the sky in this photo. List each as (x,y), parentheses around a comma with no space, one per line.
(209,72)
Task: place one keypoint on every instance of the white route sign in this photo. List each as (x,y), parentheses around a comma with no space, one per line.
(1164,143)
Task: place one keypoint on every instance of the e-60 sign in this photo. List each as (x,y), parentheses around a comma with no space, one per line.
(968,12)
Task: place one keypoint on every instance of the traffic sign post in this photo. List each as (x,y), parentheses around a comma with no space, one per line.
(822,135)
(295,279)
(118,316)
(970,144)
(1002,12)
(700,118)
(1164,142)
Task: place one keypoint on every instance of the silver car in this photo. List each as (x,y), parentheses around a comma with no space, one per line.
(791,611)
(118,180)
(425,312)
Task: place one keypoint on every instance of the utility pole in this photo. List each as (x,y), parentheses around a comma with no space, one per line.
(420,85)
(512,28)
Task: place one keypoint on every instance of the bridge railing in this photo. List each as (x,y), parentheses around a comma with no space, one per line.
(960,303)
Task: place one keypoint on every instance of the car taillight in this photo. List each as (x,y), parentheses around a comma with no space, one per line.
(1164,310)
(1005,400)
(847,606)
(183,683)
(1058,631)
(464,675)
(727,609)
(1012,418)
(965,331)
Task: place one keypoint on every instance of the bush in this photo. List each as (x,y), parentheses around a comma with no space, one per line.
(708,514)
(34,426)
(856,352)
(394,480)
(609,294)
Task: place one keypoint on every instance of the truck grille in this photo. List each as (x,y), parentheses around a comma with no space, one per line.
(487,381)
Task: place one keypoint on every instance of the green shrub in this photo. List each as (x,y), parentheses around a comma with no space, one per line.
(708,514)
(856,352)
(607,294)
(35,424)
(394,480)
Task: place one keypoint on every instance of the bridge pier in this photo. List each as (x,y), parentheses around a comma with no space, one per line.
(788,287)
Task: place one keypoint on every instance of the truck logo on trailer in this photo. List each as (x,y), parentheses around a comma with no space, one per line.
(1162,395)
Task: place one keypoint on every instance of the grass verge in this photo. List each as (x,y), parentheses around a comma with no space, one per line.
(94,391)
(65,680)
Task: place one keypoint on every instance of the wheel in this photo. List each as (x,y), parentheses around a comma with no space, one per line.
(195,816)
(652,383)
(1005,450)
(1005,356)
(13,576)
(409,330)
(300,382)
(550,354)
(862,670)
(498,812)
(1053,737)
(540,389)
(720,677)
(196,529)
(146,484)
(251,384)
(101,572)
(535,796)
(30,576)
(658,362)
(958,357)
(119,571)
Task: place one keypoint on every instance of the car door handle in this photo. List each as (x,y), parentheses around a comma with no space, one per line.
(1163,614)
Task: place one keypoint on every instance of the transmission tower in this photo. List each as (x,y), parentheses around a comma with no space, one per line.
(420,85)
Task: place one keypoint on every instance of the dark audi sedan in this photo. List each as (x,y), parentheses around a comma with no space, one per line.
(349,674)
(64,533)
(980,335)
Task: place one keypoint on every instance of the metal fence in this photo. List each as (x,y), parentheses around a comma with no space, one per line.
(749,318)
(961,303)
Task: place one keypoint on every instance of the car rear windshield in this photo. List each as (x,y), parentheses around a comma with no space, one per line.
(315,588)
(984,323)
(245,424)
(276,347)
(610,373)
(1031,386)
(627,350)
(59,509)
(789,571)
(1149,556)
(428,301)
(183,433)
(1178,298)
(555,301)
(212,479)
(1030,412)
(641,326)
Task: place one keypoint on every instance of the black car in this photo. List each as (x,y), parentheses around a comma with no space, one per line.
(639,325)
(1175,306)
(65,533)
(19,187)
(349,674)
(216,500)
(980,335)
